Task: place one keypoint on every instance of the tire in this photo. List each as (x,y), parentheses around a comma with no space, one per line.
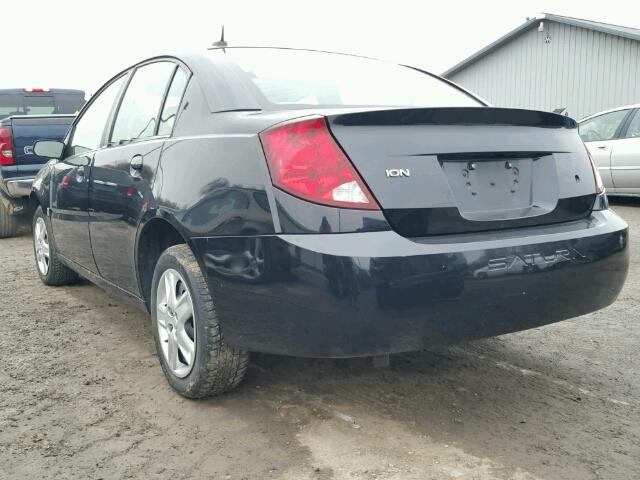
(204,365)
(8,223)
(55,272)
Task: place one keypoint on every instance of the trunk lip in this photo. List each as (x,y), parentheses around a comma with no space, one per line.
(471,116)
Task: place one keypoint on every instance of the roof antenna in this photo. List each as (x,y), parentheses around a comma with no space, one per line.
(220,43)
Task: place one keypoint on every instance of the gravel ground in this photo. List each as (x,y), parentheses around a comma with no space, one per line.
(83,396)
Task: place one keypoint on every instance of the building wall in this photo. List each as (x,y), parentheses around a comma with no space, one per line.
(580,69)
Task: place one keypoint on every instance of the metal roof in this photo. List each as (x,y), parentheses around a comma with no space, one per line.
(620,31)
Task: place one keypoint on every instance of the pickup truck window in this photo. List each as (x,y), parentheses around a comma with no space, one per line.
(68,103)
(39,105)
(138,114)
(11,105)
(88,132)
(49,103)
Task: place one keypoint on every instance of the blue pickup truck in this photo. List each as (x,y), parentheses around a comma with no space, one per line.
(27,115)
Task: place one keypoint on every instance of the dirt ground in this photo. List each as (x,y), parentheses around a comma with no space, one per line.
(82,396)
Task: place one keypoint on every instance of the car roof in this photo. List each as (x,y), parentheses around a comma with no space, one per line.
(617,109)
(226,91)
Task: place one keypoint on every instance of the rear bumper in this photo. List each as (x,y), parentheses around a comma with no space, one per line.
(342,295)
(14,195)
(20,187)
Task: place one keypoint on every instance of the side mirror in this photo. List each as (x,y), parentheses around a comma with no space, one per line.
(48,148)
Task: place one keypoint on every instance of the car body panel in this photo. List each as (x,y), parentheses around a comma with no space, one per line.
(69,209)
(16,180)
(601,154)
(118,198)
(625,165)
(618,159)
(374,293)
(28,129)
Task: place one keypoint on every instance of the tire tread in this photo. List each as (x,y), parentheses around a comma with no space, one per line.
(8,223)
(225,366)
(58,274)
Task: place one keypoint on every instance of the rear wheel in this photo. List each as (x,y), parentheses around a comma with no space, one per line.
(193,354)
(8,223)
(50,268)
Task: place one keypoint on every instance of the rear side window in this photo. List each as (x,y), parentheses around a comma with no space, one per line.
(174,96)
(602,127)
(88,132)
(633,131)
(301,78)
(138,113)
(39,105)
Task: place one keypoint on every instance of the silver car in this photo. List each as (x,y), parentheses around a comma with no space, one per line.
(613,139)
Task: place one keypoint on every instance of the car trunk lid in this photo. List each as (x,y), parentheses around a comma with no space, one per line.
(456,170)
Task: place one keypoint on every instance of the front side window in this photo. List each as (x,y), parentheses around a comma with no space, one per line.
(138,113)
(634,127)
(89,130)
(296,78)
(602,127)
(171,104)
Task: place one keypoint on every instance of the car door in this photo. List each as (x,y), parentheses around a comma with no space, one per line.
(599,135)
(625,158)
(70,179)
(123,172)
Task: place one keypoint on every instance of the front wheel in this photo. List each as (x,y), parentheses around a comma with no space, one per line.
(193,354)
(50,268)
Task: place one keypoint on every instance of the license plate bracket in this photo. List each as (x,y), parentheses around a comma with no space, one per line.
(487,189)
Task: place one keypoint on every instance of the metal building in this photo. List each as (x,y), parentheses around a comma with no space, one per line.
(557,62)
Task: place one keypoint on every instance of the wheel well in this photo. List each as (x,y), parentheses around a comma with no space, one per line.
(34,203)
(157,236)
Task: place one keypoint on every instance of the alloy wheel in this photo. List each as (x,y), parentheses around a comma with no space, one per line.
(176,323)
(41,239)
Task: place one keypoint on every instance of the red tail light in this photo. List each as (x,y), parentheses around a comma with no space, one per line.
(304,160)
(6,146)
(596,173)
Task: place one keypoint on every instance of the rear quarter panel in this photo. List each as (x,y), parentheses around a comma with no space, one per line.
(212,178)
(215,185)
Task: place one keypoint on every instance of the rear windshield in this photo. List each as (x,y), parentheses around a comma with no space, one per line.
(47,104)
(39,105)
(298,78)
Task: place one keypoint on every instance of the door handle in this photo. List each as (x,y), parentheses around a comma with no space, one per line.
(136,163)
(602,147)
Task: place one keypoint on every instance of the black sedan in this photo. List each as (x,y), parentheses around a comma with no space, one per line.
(317,204)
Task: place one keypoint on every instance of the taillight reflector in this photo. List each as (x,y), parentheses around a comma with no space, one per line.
(305,160)
(6,146)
